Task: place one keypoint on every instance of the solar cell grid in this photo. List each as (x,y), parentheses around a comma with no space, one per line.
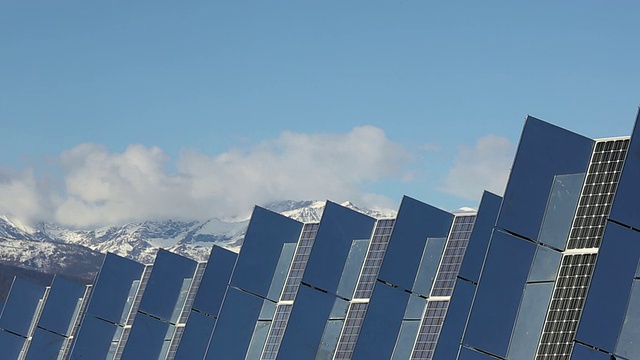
(575,273)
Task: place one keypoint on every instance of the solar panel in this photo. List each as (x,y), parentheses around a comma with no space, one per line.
(577,265)
(299,262)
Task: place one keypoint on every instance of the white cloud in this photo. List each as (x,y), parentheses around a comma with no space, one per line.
(102,187)
(20,195)
(485,166)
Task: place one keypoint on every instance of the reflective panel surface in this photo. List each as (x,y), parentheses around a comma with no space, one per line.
(499,292)
(468,354)
(282,269)
(60,307)
(428,265)
(306,325)
(561,207)
(351,269)
(384,317)
(625,206)
(196,337)
(339,226)
(479,240)
(581,352)
(604,308)
(93,339)
(406,338)
(234,328)
(261,250)
(528,329)
(146,338)
(166,285)
(10,344)
(545,265)
(544,151)
(45,345)
(416,221)
(629,340)
(215,280)
(455,321)
(21,306)
(112,287)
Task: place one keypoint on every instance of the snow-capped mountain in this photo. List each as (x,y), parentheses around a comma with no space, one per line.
(56,249)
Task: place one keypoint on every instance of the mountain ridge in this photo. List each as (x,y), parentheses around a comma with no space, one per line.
(57,249)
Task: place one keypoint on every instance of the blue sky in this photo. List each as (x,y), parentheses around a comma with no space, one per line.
(224,102)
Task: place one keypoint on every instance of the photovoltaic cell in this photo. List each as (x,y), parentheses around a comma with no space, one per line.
(296,271)
(351,330)
(276,332)
(444,284)
(577,266)
(597,194)
(366,283)
(430,329)
(373,259)
(453,254)
(299,262)
(566,306)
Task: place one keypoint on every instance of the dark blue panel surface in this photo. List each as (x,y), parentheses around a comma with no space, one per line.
(339,226)
(526,334)
(629,340)
(455,321)
(112,287)
(10,344)
(307,321)
(429,263)
(479,240)
(234,328)
(499,293)
(146,338)
(561,206)
(606,303)
(406,338)
(165,284)
(258,258)
(382,323)
(469,354)
(93,339)
(545,265)
(215,280)
(625,207)
(351,269)
(544,151)
(195,339)
(581,352)
(21,306)
(45,345)
(61,304)
(416,221)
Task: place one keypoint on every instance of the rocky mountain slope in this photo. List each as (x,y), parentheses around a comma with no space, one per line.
(55,249)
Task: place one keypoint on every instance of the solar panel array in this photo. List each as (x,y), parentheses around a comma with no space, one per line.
(576,268)
(294,277)
(430,329)
(448,270)
(276,332)
(299,263)
(373,259)
(364,288)
(597,194)
(350,330)
(453,254)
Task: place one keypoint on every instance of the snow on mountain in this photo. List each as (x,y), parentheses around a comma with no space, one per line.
(56,249)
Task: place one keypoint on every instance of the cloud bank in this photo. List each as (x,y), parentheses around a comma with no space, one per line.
(100,187)
(90,186)
(484,166)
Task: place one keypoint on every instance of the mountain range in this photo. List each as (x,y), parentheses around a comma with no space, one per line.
(56,249)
